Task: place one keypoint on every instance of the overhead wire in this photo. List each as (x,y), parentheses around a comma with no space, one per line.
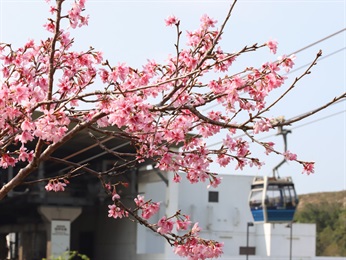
(318,41)
(302,49)
(303,66)
(322,58)
(298,126)
(311,122)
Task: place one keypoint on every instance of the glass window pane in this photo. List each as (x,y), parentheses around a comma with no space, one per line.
(256,198)
(274,196)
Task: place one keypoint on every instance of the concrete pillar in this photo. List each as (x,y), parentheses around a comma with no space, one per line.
(58,224)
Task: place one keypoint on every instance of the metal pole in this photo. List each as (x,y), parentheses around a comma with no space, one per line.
(249,224)
(291,228)
(247,241)
(284,133)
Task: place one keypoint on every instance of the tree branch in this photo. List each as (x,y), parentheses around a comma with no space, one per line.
(32,166)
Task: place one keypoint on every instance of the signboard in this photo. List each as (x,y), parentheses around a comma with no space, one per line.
(60,237)
(250,250)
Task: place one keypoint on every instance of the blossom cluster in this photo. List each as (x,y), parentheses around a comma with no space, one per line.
(158,108)
(194,248)
(148,208)
(56,185)
(116,212)
(187,245)
(31,107)
(126,103)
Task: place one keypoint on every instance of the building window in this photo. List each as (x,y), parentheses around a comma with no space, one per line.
(213,196)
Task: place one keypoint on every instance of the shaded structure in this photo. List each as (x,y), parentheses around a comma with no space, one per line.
(34,220)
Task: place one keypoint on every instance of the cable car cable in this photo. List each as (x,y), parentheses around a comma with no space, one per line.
(320,59)
(308,123)
(316,42)
(305,48)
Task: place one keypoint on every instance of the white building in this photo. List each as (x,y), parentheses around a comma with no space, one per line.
(223,214)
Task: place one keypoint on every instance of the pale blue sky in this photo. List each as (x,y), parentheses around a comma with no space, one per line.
(133,31)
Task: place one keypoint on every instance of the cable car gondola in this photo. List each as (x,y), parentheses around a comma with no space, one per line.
(273,199)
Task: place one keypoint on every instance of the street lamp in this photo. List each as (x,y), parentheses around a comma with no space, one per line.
(249,224)
(290,226)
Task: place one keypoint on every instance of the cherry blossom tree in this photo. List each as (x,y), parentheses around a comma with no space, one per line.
(156,108)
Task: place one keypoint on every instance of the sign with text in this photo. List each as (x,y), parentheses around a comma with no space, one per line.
(60,237)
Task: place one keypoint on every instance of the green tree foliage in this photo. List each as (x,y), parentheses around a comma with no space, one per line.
(330,219)
(70,255)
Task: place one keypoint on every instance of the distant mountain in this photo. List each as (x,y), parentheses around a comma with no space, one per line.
(320,197)
(328,211)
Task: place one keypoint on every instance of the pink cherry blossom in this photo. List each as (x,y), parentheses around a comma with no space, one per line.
(120,71)
(309,168)
(55,185)
(25,137)
(262,125)
(287,62)
(177,178)
(25,155)
(74,14)
(27,125)
(272,45)
(164,225)
(139,200)
(195,229)
(195,248)
(115,196)
(50,27)
(269,147)
(52,9)
(215,182)
(183,224)
(116,212)
(6,161)
(207,21)
(171,20)
(181,250)
(223,160)
(150,209)
(290,156)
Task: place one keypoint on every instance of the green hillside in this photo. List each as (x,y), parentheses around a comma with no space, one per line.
(328,211)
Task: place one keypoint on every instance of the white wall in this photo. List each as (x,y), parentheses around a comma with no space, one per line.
(147,241)
(229,214)
(274,240)
(226,220)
